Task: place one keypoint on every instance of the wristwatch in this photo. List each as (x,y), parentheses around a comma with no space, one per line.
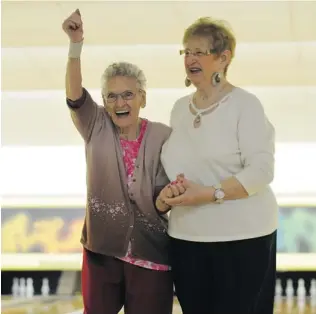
(219,193)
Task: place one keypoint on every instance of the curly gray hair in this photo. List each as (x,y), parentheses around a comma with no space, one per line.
(123,69)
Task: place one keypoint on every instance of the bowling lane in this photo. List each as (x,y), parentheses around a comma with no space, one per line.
(71,305)
(38,306)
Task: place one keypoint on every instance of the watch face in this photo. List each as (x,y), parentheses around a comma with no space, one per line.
(219,194)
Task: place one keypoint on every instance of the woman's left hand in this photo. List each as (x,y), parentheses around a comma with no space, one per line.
(195,194)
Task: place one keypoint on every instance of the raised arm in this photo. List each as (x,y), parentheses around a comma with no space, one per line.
(83,108)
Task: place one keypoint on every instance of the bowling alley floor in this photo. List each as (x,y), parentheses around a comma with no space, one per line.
(52,305)
(73,305)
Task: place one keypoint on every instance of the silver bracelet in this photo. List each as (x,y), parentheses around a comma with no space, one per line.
(75,50)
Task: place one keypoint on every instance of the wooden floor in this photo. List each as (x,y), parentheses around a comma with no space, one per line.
(73,305)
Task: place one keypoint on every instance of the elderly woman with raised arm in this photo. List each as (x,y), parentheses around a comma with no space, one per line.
(125,240)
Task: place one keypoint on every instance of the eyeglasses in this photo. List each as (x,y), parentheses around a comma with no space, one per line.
(198,53)
(127,95)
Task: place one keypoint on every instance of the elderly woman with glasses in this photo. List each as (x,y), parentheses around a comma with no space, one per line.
(221,149)
(125,240)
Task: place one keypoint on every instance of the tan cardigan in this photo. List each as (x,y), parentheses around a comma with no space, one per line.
(115,215)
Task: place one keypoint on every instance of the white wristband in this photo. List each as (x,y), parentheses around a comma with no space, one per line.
(75,50)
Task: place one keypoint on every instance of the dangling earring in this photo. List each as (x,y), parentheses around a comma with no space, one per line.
(143,106)
(187,82)
(216,78)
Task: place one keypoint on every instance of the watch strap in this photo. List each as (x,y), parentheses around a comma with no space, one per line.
(217,187)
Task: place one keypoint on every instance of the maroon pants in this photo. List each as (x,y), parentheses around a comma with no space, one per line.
(108,284)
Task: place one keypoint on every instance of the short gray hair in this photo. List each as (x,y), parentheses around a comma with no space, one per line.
(123,69)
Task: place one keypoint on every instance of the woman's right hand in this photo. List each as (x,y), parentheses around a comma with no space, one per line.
(171,190)
(73,27)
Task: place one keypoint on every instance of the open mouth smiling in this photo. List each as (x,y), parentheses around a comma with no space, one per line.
(195,70)
(122,113)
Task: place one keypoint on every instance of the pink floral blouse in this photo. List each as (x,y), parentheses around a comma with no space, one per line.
(130,151)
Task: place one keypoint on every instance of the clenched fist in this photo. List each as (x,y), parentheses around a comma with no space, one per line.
(72,26)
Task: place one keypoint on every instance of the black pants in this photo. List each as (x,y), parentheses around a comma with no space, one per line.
(235,277)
